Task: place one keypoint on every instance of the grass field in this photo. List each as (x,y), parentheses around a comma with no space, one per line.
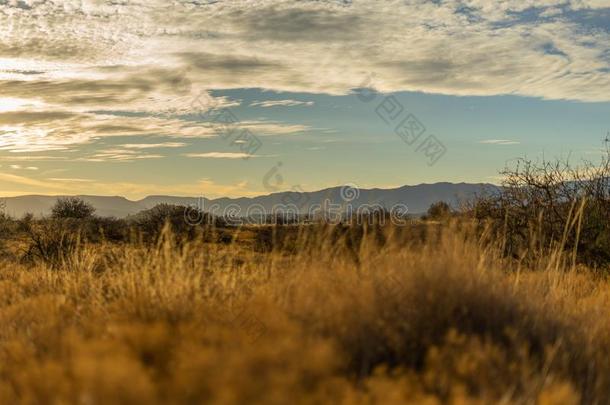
(383,317)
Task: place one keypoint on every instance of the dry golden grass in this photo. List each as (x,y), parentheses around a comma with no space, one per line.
(336,320)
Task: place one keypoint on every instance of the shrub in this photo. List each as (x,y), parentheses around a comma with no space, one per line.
(435,321)
(183,221)
(25,222)
(98,229)
(8,230)
(72,207)
(8,226)
(52,241)
(548,205)
(438,210)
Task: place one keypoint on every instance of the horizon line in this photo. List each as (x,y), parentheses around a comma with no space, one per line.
(244,197)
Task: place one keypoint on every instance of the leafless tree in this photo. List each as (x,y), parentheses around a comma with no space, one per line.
(552,204)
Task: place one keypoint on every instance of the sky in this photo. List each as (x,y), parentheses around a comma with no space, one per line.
(248,97)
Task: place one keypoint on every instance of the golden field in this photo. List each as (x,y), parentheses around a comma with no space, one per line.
(377,316)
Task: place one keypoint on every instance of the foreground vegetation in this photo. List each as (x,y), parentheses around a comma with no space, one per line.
(421,314)
(502,302)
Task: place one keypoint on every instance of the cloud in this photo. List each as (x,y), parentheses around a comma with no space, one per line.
(29,182)
(281,22)
(70,180)
(281,103)
(499,142)
(119,155)
(48,130)
(32,158)
(220,155)
(233,64)
(128,52)
(123,88)
(77,186)
(203,187)
(27,132)
(271,128)
(19,167)
(592,4)
(154,145)
(74,72)
(20,117)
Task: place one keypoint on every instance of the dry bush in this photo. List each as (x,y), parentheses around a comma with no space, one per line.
(550,205)
(52,241)
(346,318)
(438,211)
(150,223)
(72,207)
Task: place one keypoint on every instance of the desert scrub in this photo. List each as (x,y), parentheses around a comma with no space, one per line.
(437,319)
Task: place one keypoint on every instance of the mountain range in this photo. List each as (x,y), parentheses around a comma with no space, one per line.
(417,198)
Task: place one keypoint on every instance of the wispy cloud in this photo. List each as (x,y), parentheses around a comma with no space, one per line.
(499,142)
(53,186)
(19,167)
(119,155)
(44,131)
(29,182)
(31,158)
(154,145)
(281,103)
(28,132)
(70,180)
(271,128)
(125,56)
(219,155)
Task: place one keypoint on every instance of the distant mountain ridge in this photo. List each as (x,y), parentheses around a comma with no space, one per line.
(417,198)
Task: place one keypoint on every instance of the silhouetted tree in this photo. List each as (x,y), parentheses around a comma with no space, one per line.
(438,210)
(72,207)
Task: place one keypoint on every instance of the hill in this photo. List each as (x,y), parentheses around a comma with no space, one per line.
(417,198)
